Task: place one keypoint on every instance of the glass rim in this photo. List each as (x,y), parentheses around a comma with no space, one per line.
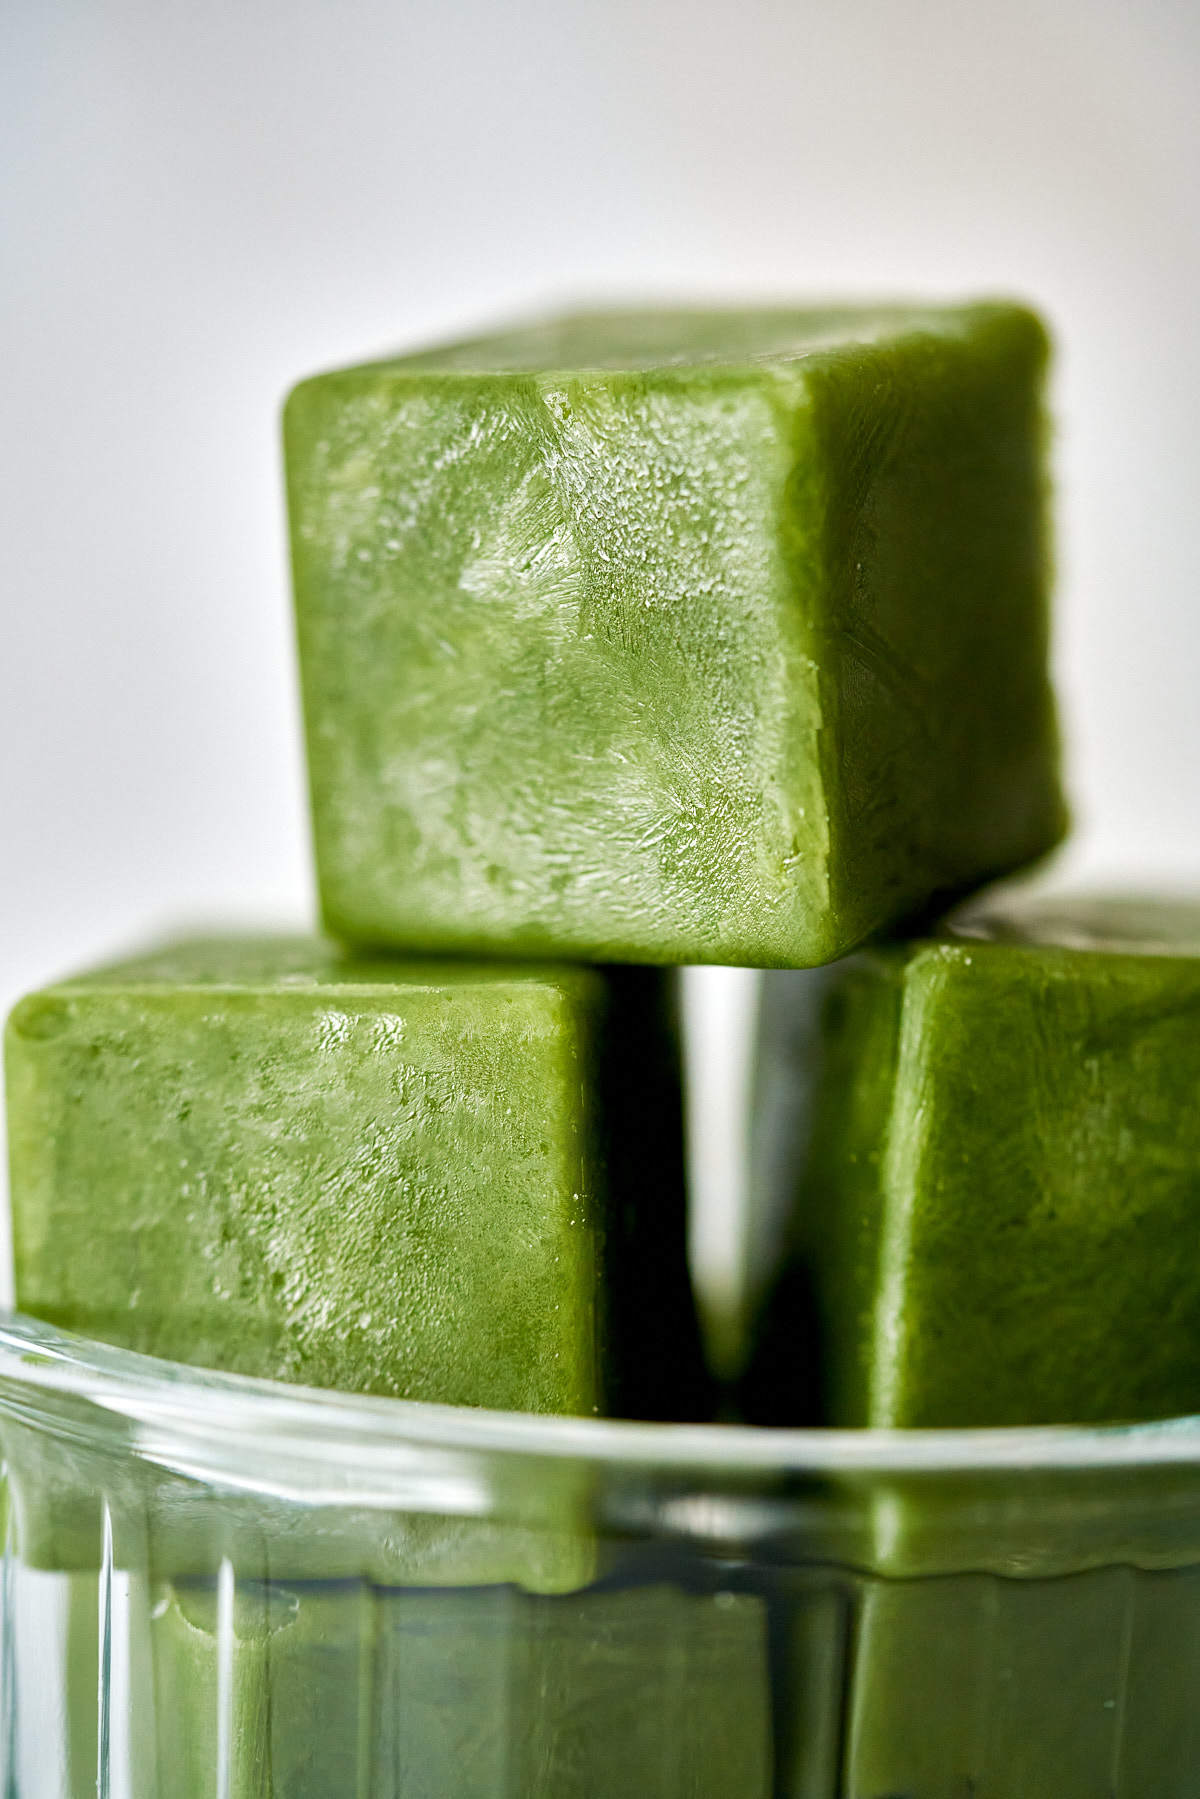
(264,1417)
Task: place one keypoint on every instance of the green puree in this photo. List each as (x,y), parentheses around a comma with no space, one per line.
(675,636)
(997,1209)
(454,1183)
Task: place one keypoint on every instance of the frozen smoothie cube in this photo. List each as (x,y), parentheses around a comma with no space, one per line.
(456,1183)
(1021,1688)
(263,1690)
(675,636)
(995,1168)
(999,1195)
(483,1693)
(1029,1637)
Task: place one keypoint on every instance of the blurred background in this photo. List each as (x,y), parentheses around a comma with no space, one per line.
(199,204)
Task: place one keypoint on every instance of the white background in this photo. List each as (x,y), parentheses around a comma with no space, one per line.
(200,202)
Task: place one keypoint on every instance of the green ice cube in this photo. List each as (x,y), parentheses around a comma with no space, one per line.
(996,1206)
(675,636)
(458,1183)
(309,1691)
(993,1153)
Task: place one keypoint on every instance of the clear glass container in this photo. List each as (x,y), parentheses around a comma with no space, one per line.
(218,1586)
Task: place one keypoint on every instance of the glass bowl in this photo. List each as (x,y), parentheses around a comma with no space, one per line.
(223,1587)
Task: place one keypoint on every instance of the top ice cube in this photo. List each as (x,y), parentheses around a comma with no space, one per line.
(676,636)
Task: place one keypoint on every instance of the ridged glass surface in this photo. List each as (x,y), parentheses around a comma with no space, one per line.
(212,1586)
